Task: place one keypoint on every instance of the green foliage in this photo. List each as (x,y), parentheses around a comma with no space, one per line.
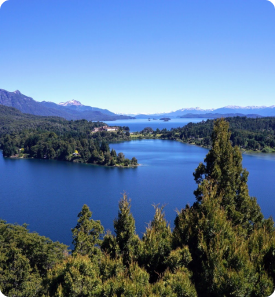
(133,281)
(120,158)
(225,231)
(76,276)
(17,278)
(125,229)
(178,258)
(110,245)
(147,130)
(222,262)
(247,133)
(110,268)
(175,285)
(25,259)
(224,168)
(156,245)
(86,234)
(58,139)
(134,161)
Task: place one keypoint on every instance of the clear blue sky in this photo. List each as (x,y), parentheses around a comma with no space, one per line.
(140,55)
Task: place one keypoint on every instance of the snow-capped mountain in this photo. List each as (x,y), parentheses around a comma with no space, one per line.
(71,110)
(247,107)
(195,109)
(70,103)
(260,110)
(230,109)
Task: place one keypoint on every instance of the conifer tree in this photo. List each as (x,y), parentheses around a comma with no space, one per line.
(75,276)
(156,245)
(223,165)
(125,230)
(104,147)
(229,241)
(87,233)
(224,263)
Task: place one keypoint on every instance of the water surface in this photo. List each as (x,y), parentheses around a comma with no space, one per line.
(48,195)
(139,124)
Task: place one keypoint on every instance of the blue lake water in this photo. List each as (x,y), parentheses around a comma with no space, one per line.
(48,195)
(139,124)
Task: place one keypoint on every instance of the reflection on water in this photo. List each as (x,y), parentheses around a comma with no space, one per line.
(268,157)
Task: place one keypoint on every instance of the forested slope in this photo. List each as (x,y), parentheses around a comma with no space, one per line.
(250,134)
(23,135)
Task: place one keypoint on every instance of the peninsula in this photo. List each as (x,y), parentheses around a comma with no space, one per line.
(54,138)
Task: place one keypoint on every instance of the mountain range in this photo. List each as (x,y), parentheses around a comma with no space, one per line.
(71,110)
(75,110)
(251,111)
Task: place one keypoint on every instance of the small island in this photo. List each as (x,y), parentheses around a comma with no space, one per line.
(165,119)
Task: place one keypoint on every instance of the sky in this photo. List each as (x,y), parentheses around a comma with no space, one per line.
(140,56)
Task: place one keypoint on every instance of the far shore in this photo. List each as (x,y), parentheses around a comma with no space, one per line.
(141,136)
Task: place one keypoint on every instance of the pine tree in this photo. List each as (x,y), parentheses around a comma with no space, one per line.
(87,233)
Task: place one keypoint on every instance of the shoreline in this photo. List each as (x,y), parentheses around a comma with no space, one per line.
(206,147)
(94,164)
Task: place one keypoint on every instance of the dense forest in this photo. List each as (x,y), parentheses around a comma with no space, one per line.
(248,133)
(23,135)
(220,246)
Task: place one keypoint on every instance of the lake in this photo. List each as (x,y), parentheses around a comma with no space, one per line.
(48,195)
(139,124)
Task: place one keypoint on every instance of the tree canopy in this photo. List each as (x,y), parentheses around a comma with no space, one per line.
(250,134)
(53,138)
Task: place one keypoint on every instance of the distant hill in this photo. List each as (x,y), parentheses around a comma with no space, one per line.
(233,110)
(219,115)
(261,110)
(71,110)
(12,120)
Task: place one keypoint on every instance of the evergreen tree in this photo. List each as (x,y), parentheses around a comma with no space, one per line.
(224,264)
(125,230)
(120,158)
(133,281)
(110,246)
(134,161)
(104,147)
(175,285)
(113,153)
(25,259)
(224,167)
(9,148)
(87,233)
(17,278)
(156,245)
(227,237)
(76,276)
